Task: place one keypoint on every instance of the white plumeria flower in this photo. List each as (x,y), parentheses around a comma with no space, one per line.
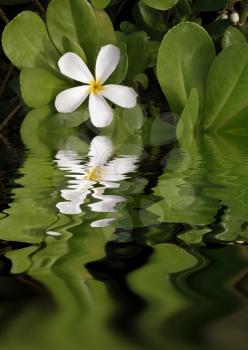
(98,171)
(72,66)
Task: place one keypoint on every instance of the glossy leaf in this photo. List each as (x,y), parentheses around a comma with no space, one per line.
(40,87)
(100,4)
(63,121)
(182,66)
(232,36)
(121,71)
(136,47)
(27,44)
(187,124)
(150,20)
(224,101)
(160,4)
(105,29)
(72,27)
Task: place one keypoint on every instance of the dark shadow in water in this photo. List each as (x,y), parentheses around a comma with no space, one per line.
(218,290)
(121,259)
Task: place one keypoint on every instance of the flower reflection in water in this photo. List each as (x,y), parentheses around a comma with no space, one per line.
(102,171)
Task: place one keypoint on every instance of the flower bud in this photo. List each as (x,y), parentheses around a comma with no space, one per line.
(234,17)
(223,16)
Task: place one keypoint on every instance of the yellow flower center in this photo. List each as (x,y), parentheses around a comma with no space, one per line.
(96,86)
(93,174)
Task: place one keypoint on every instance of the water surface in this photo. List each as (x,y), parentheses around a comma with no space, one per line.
(124,245)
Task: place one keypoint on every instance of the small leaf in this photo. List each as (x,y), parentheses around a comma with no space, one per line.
(136,52)
(182,66)
(149,20)
(40,87)
(160,4)
(27,44)
(232,36)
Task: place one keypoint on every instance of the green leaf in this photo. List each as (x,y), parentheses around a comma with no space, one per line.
(63,121)
(136,52)
(125,127)
(209,5)
(105,28)
(121,71)
(40,87)
(128,27)
(160,4)
(149,20)
(182,66)
(188,121)
(232,36)
(100,4)
(226,92)
(159,132)
(32,124)
(72,27)
(27,44)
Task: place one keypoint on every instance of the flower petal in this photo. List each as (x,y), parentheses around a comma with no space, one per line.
(72,66)
(100,113)
(102,223)
(107,61)
(122,96)
(69,100)
(106,204)
(101,149)
(116,169)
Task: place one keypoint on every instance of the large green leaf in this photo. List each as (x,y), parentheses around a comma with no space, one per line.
(40,87)
(226,93)
(188,122)
(72,27)
(105,28)
(27,44)
(160,4)
(183,66)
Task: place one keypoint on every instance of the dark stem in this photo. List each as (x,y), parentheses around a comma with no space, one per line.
(39,7)
(6,79)
(10,116)
(3,16)
(243,13)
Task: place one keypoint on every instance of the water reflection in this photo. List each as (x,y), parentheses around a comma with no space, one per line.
(108,263)
(92,178)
